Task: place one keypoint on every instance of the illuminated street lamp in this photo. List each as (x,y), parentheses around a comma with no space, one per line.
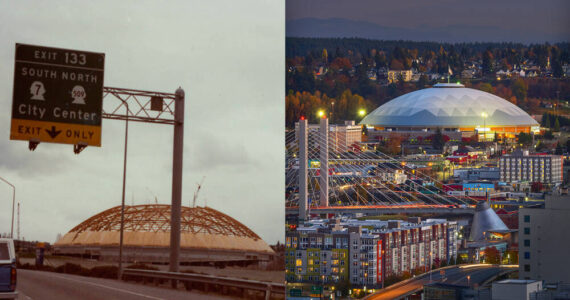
(468,280)
(321,113)
(362,112)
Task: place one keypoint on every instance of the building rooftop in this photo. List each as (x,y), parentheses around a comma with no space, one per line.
(515,281)
(378,226)
(448,105)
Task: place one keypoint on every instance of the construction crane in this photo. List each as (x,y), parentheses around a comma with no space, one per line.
(197,191)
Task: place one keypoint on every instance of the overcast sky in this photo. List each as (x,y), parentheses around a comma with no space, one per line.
(227,55)
(525,20)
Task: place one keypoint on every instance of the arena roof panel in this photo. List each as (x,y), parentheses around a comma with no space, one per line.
(448,105)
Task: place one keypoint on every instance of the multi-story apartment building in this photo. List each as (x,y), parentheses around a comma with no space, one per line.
(366,251)
(365,266)
(533,168)
(342,138)
(396,75)
(544,240)
(317,255)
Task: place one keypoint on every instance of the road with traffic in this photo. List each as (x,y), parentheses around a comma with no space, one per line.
(49,285)
(467,275)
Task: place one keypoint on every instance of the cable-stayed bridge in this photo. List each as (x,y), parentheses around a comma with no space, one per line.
(328,174)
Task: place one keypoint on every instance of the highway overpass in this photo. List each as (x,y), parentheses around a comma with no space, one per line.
(467,275)
(386,209)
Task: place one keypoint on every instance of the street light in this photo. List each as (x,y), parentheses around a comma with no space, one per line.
(468,280)
(321,113)
(13,202)
(484,115)
(362,112)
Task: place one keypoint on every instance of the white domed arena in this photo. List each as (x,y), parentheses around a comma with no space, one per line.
(457,111)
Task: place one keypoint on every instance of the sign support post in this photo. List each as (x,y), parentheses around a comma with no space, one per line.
(176,182)
(120,272)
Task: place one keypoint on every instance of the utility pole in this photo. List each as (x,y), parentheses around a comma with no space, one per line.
(13,203)
(18,232)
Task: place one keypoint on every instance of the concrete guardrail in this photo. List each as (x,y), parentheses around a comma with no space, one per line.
(268,288)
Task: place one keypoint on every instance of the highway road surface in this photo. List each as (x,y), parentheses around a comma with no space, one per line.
(457,275)
(38,285)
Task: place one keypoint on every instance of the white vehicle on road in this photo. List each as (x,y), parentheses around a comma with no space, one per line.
(8,274)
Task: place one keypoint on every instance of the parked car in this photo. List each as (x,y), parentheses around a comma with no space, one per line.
(8,275)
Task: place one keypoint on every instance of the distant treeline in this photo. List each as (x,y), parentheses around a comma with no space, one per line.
(304,46)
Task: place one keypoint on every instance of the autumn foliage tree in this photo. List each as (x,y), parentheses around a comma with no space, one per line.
(520,89)
(394,143)
(341,63)
(306,104)
(492,255)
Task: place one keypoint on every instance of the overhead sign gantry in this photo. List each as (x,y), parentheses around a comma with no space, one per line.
(58,96)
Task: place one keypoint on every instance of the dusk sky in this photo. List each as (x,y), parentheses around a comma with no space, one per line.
(228,57)
(517,20)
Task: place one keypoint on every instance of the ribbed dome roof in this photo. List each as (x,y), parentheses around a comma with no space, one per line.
(149,225)
(448,105)
(156,218)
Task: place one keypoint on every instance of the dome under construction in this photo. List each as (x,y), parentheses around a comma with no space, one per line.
(207,235)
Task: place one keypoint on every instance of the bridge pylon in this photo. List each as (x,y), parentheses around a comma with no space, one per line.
(324,160)
(303,169)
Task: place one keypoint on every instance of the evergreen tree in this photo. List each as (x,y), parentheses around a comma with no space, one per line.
(547,121)
(524,138)
(557,70)
(438,141)
(543,120)
(556,125)
(488,63)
